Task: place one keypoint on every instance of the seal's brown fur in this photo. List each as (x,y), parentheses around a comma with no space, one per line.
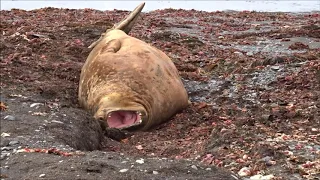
(125,73)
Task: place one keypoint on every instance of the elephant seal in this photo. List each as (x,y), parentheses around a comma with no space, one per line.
(129,84)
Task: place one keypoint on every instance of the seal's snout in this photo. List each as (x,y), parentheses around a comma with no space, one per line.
(124,119)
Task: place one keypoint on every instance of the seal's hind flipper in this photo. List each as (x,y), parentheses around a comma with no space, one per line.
(127,23)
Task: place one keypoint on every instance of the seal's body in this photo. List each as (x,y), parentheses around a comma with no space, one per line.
(128,83)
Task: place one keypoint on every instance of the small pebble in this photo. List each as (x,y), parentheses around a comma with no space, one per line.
(261,177)
(249,53)
(245,157)
(6,148)
(140,161)
(245,171)
(276,68)
(3,155)
(5,134)
(270,163)
(223,130)
(208,169)
(11,143)
(42,175)
(274,105)
(139,147)
(55,121)
(238,53)
(194,167)
(267,158)
(39,114)
(123,170)
(291,147)
(20,150)
(155,172)
(35,104)
(10,118)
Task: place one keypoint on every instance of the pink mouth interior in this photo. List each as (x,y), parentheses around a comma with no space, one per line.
(119,119)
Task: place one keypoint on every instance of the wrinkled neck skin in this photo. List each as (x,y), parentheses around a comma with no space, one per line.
(115,102)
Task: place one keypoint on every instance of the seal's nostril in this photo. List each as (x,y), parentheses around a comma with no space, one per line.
(100,118)
(102,123)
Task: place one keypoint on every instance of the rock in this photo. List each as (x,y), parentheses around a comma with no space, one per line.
(267,117)
(155,172)
(10,118)
(115,134)
(42,175)
(208,169)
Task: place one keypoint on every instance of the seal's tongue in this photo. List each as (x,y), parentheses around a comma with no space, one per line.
(119,119)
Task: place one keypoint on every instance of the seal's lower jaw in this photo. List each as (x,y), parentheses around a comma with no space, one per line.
(123,119)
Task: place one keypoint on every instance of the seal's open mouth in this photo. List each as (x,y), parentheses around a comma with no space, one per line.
(121,119)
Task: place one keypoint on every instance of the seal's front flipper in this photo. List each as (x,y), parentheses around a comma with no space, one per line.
(112,46)
(97,41)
